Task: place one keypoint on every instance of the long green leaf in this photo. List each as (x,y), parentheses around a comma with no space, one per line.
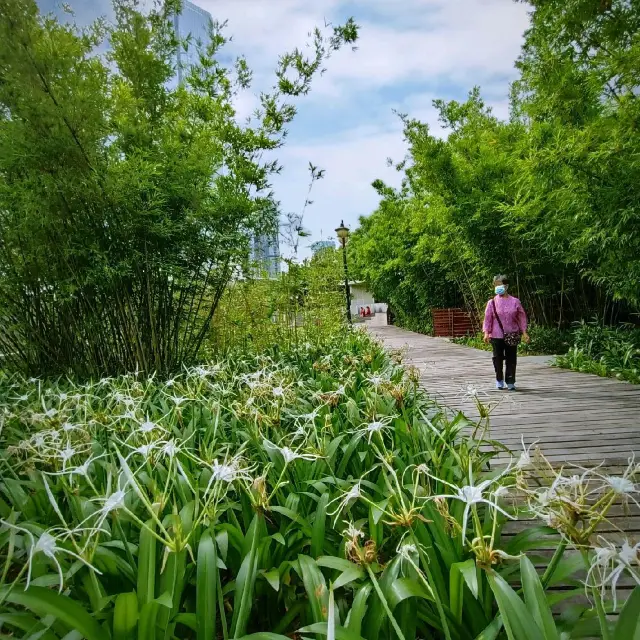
(316,588)
(628,625)
(125,616)
(518,621)
(358,609)
(459,574)
(45,602)
(264,635)
(206,583)
(147,564)
(147,621)
(317,535)
(535,599)
(245,583)
(322,629)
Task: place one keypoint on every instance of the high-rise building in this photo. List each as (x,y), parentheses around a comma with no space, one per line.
(265,251)
(193,27)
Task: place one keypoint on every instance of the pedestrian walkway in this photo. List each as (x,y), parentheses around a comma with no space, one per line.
(575,417)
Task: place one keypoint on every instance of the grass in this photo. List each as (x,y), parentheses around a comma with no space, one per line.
(303,493)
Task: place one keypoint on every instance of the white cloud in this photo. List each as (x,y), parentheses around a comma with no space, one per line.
(408,54)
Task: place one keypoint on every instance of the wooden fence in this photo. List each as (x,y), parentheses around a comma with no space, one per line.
(454,323)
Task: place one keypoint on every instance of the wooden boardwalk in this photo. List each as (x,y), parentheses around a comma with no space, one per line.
(575,417)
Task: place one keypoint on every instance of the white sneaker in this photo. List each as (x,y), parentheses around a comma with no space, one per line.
(500,385)
(511,387)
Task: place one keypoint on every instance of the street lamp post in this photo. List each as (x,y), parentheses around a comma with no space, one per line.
(343,233)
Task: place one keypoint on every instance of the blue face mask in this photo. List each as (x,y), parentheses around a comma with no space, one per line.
(501,290)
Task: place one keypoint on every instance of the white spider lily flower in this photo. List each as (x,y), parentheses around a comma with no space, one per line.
(63,397)
(471,392)
(609,563)
(471,495)
(288,454)
(144,449)
(229,471)
(114,502)
(170,382)
(178,400)
(278,392)
(308,417)
(352,494)
(47,544)
(376,381)
(376,426)
(624,485)
(147,426)
(170,448)
(352,532)
(66,454)
(501,492)
(407,550)
(525,461)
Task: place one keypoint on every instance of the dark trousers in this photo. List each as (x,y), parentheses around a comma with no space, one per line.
(503,353)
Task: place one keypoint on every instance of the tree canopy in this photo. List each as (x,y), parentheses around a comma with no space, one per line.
(549,197)
(127,200)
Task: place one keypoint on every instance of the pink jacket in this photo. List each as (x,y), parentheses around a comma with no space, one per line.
(511,314)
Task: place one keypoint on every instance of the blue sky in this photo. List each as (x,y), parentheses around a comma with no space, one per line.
(409,53)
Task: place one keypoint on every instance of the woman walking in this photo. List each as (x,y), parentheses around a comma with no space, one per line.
(505,324)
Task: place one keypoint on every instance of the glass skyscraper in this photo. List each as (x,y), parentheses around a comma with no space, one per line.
(193,26)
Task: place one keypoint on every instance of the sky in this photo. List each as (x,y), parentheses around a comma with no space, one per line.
(408,54)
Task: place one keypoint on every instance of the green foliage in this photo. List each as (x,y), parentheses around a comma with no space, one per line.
(305,303)
(604,351)
(547,197)
(127,202)
(311,490)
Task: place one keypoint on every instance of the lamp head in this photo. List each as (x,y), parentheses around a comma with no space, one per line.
(342,232)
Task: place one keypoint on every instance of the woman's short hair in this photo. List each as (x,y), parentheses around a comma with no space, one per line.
(500,279)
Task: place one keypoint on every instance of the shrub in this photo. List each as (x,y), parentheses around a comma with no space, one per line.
(605,351)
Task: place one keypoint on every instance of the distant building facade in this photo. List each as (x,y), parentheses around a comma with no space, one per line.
(265,251)
(320,245)
(192,25)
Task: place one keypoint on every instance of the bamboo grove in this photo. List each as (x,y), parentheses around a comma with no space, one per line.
(549,197)
(127,200)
